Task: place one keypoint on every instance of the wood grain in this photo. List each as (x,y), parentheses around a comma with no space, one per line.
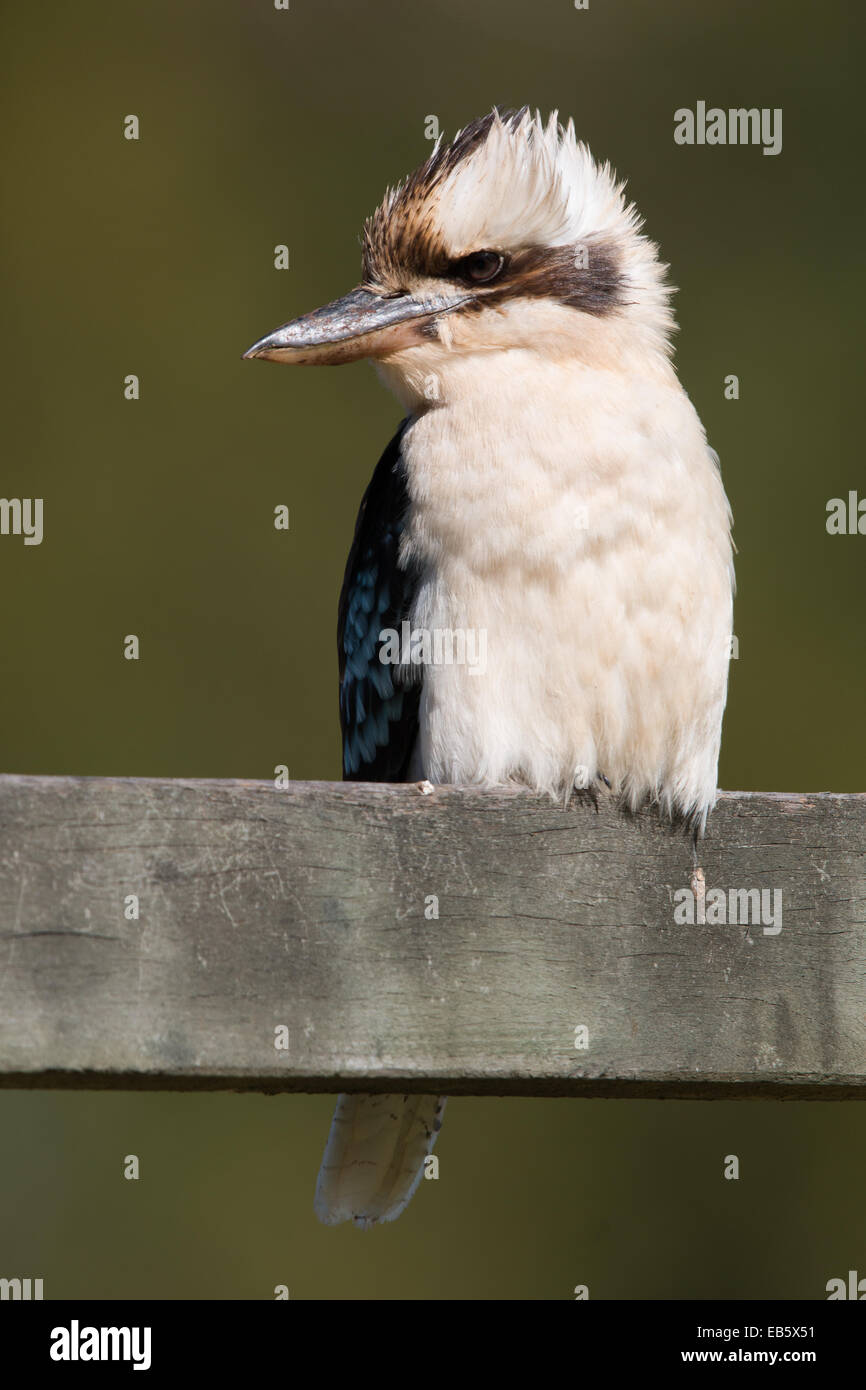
(306,908)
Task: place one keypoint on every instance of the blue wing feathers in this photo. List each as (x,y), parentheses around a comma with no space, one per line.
(378,717)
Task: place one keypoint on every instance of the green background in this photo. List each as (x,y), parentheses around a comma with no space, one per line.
(261,127)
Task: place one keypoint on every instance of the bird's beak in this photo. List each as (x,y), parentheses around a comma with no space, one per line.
(361,324)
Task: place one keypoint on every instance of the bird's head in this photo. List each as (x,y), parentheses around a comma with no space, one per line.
(510,237)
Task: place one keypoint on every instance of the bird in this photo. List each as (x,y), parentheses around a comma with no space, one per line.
(551,487)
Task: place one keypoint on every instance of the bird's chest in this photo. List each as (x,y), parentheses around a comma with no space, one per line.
(564,567)
(526,527)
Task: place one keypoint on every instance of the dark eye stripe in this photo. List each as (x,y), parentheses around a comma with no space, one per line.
(591,281)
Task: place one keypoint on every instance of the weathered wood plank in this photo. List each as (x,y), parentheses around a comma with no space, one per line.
(306,907)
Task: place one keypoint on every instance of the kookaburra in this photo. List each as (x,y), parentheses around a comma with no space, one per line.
(551,487)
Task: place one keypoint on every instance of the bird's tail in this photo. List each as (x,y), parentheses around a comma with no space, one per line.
(375,1156)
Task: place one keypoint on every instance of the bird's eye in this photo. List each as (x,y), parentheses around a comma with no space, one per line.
(481,267)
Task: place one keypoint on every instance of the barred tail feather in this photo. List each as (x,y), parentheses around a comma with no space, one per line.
(374,1157)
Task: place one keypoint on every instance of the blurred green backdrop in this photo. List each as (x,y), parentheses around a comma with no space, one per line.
(261,127)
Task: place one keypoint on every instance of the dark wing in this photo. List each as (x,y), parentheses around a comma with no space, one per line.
(378,715)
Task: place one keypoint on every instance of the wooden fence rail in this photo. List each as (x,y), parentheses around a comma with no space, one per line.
(452,940)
